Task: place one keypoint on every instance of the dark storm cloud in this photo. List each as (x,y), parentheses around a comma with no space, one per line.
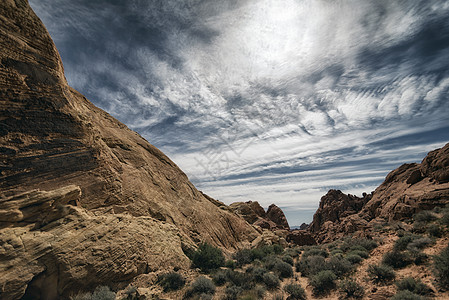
(266,99)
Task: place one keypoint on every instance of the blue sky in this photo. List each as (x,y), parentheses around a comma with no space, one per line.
(266,100)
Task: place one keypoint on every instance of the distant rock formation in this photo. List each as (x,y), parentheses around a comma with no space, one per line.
(84,201)
(253,213)
(405,191)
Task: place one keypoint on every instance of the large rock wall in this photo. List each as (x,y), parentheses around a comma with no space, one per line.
(83,199)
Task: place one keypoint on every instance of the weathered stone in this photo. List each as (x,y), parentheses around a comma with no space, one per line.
(300,238)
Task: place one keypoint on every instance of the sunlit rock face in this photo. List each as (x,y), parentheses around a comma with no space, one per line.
(84,200)
(405,191)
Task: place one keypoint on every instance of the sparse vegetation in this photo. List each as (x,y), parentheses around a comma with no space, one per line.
(381,273)
(100,293)
(201,285)
(354,258)
(207,258)
(425,216)
(323,282)
(351,289)
(311,265)
(295,291)
(406,295)
(396,259)
(271,281)
(435,230)
(171,281)
(419,243)
(441,268)
(414,285)
(232,292)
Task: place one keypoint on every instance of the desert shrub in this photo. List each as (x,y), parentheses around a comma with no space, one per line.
(243,280)
(283,269)
(171,281)
(419,227)
(351,289)
(288,259)
(293,252)
(278,249)
(396,259)
(315,252)
(220,278)
(232,292)
(100,293)
(414,286)
(445,218)
(270,261)
(201,285)
(258,273)
(406,295)
(418,257)
(243,257)
(354,258)
(435,230)
(207,258)
(295,291)
(323,282)
(425,216)
(278,297)
(311,265)
(419,243)
(339,266)
(402,242)
(381,273)
(362,254)
(271,281)
(441,267)
(336,252)
(368,244)
(231,264)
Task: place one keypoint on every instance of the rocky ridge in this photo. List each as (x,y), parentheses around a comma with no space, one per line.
(85,201)
(405,191)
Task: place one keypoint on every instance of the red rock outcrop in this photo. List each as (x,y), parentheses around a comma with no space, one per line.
(405,191)
(253,213)
(276,215)
(84,201)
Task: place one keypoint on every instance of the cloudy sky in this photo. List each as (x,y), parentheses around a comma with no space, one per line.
(270,100)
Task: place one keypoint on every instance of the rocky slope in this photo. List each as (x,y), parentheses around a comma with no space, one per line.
(405,191)
(84,200)
(253,213)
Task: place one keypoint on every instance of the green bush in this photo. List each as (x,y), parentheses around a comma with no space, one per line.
(414,286)
(418,257)
(201,285)
(207,258)
(351,289)
(271,281)
(420,243)
(171,281)
(278,249)
(293,252)
(425,216)
(231,264)
(339,266)
(354,258)
(232,292)
(402,242)
(311,265)
(283,269)
(435,230)
(243,257)
(368,244)
(243,280)
(441,267)
(323,282)
(419,227)
(295,291)
(381,273)
(406,295)
(396,259)
(278,297)
(258,273)
(445,218)
(362,254)
(100,293)
(220,278)
(315,252)
(288,259)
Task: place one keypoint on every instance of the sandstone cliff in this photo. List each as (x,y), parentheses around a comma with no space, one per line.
(405,191)
(84,200)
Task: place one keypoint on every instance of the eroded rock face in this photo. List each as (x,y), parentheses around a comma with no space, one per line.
(84,200)
(301,238)
(276,215)
(273,219)
(405,191)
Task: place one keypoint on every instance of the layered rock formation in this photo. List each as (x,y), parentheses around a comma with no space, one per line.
(405,191)
(253,213)
(84,200)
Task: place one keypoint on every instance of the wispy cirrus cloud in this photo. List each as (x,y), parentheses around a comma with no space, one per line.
(266,100)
